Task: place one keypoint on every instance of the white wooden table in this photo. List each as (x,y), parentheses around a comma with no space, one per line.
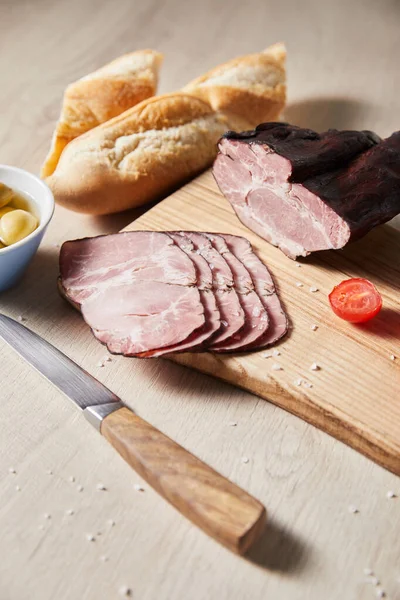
(343,71)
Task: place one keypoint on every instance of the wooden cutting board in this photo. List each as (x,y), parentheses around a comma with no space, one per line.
(355,396)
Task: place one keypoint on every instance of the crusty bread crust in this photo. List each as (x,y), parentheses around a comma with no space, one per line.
(252,87)
(137,156)
(102,95)
(164,141)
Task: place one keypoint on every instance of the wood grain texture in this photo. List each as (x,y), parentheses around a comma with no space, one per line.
(351,395)
(343,72)
(219,507)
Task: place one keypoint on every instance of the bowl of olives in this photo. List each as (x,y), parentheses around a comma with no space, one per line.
(26,209)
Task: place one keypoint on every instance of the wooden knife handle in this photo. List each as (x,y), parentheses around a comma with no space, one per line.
(218,506)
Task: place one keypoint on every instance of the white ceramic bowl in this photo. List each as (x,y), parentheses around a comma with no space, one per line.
(15,259)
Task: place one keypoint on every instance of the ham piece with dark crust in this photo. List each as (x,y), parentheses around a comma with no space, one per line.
(303,191)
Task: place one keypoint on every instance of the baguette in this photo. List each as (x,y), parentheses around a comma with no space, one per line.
(145,152)
(102,95)
(251,87)
(138,156)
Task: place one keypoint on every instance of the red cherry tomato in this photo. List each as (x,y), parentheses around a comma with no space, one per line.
(356,300)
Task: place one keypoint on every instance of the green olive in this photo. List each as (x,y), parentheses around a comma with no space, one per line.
(16,225)
(6,194)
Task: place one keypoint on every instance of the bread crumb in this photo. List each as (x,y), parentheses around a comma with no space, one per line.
(17,488)
(315,367)
(392,357)
(79,488)
(70,512)
(12,470)
(100,364)
(353,509)
(266,354)
(111,523)
(380,593)
(276,353)
(368,571)
(232,423)
(104,558)
(299,284)
(138,487)
(21,319)
(314,327)
(314,289)
(47,516)
(72,479)
(298,381)
(125,591)
(101,487)
(245,460)
(307,384)
(390,494)
(90,537)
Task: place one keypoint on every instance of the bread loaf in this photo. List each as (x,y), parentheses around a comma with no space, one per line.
(102,95)
(251,87)
(162,142)
(138,156)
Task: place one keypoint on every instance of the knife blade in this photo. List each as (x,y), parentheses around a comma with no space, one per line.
(219,507)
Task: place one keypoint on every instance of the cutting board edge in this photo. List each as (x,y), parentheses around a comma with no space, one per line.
(314,414)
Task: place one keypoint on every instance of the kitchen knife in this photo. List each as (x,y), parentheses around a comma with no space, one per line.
(212,502)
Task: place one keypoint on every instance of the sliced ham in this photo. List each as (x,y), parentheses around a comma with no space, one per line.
(303,191)
(204,284)
(264,286)
(256,317)
(231,312)
(155,293)
(136,290)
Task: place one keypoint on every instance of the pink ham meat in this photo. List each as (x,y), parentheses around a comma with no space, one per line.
(305,191)
(231,312)
(264,286)
(256,317)
(136,290)
(204,284)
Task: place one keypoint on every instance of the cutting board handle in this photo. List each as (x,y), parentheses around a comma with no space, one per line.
(216,505)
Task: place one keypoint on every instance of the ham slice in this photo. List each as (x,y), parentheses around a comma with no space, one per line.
(231,312)
(264,286)
(256,317)
(204,284)
(136,290)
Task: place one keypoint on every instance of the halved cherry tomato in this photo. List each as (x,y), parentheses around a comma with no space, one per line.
(356,300)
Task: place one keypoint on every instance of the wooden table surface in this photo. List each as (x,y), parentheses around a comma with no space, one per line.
(343,72)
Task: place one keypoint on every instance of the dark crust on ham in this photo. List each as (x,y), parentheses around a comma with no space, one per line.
(310,153)
(332,187)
